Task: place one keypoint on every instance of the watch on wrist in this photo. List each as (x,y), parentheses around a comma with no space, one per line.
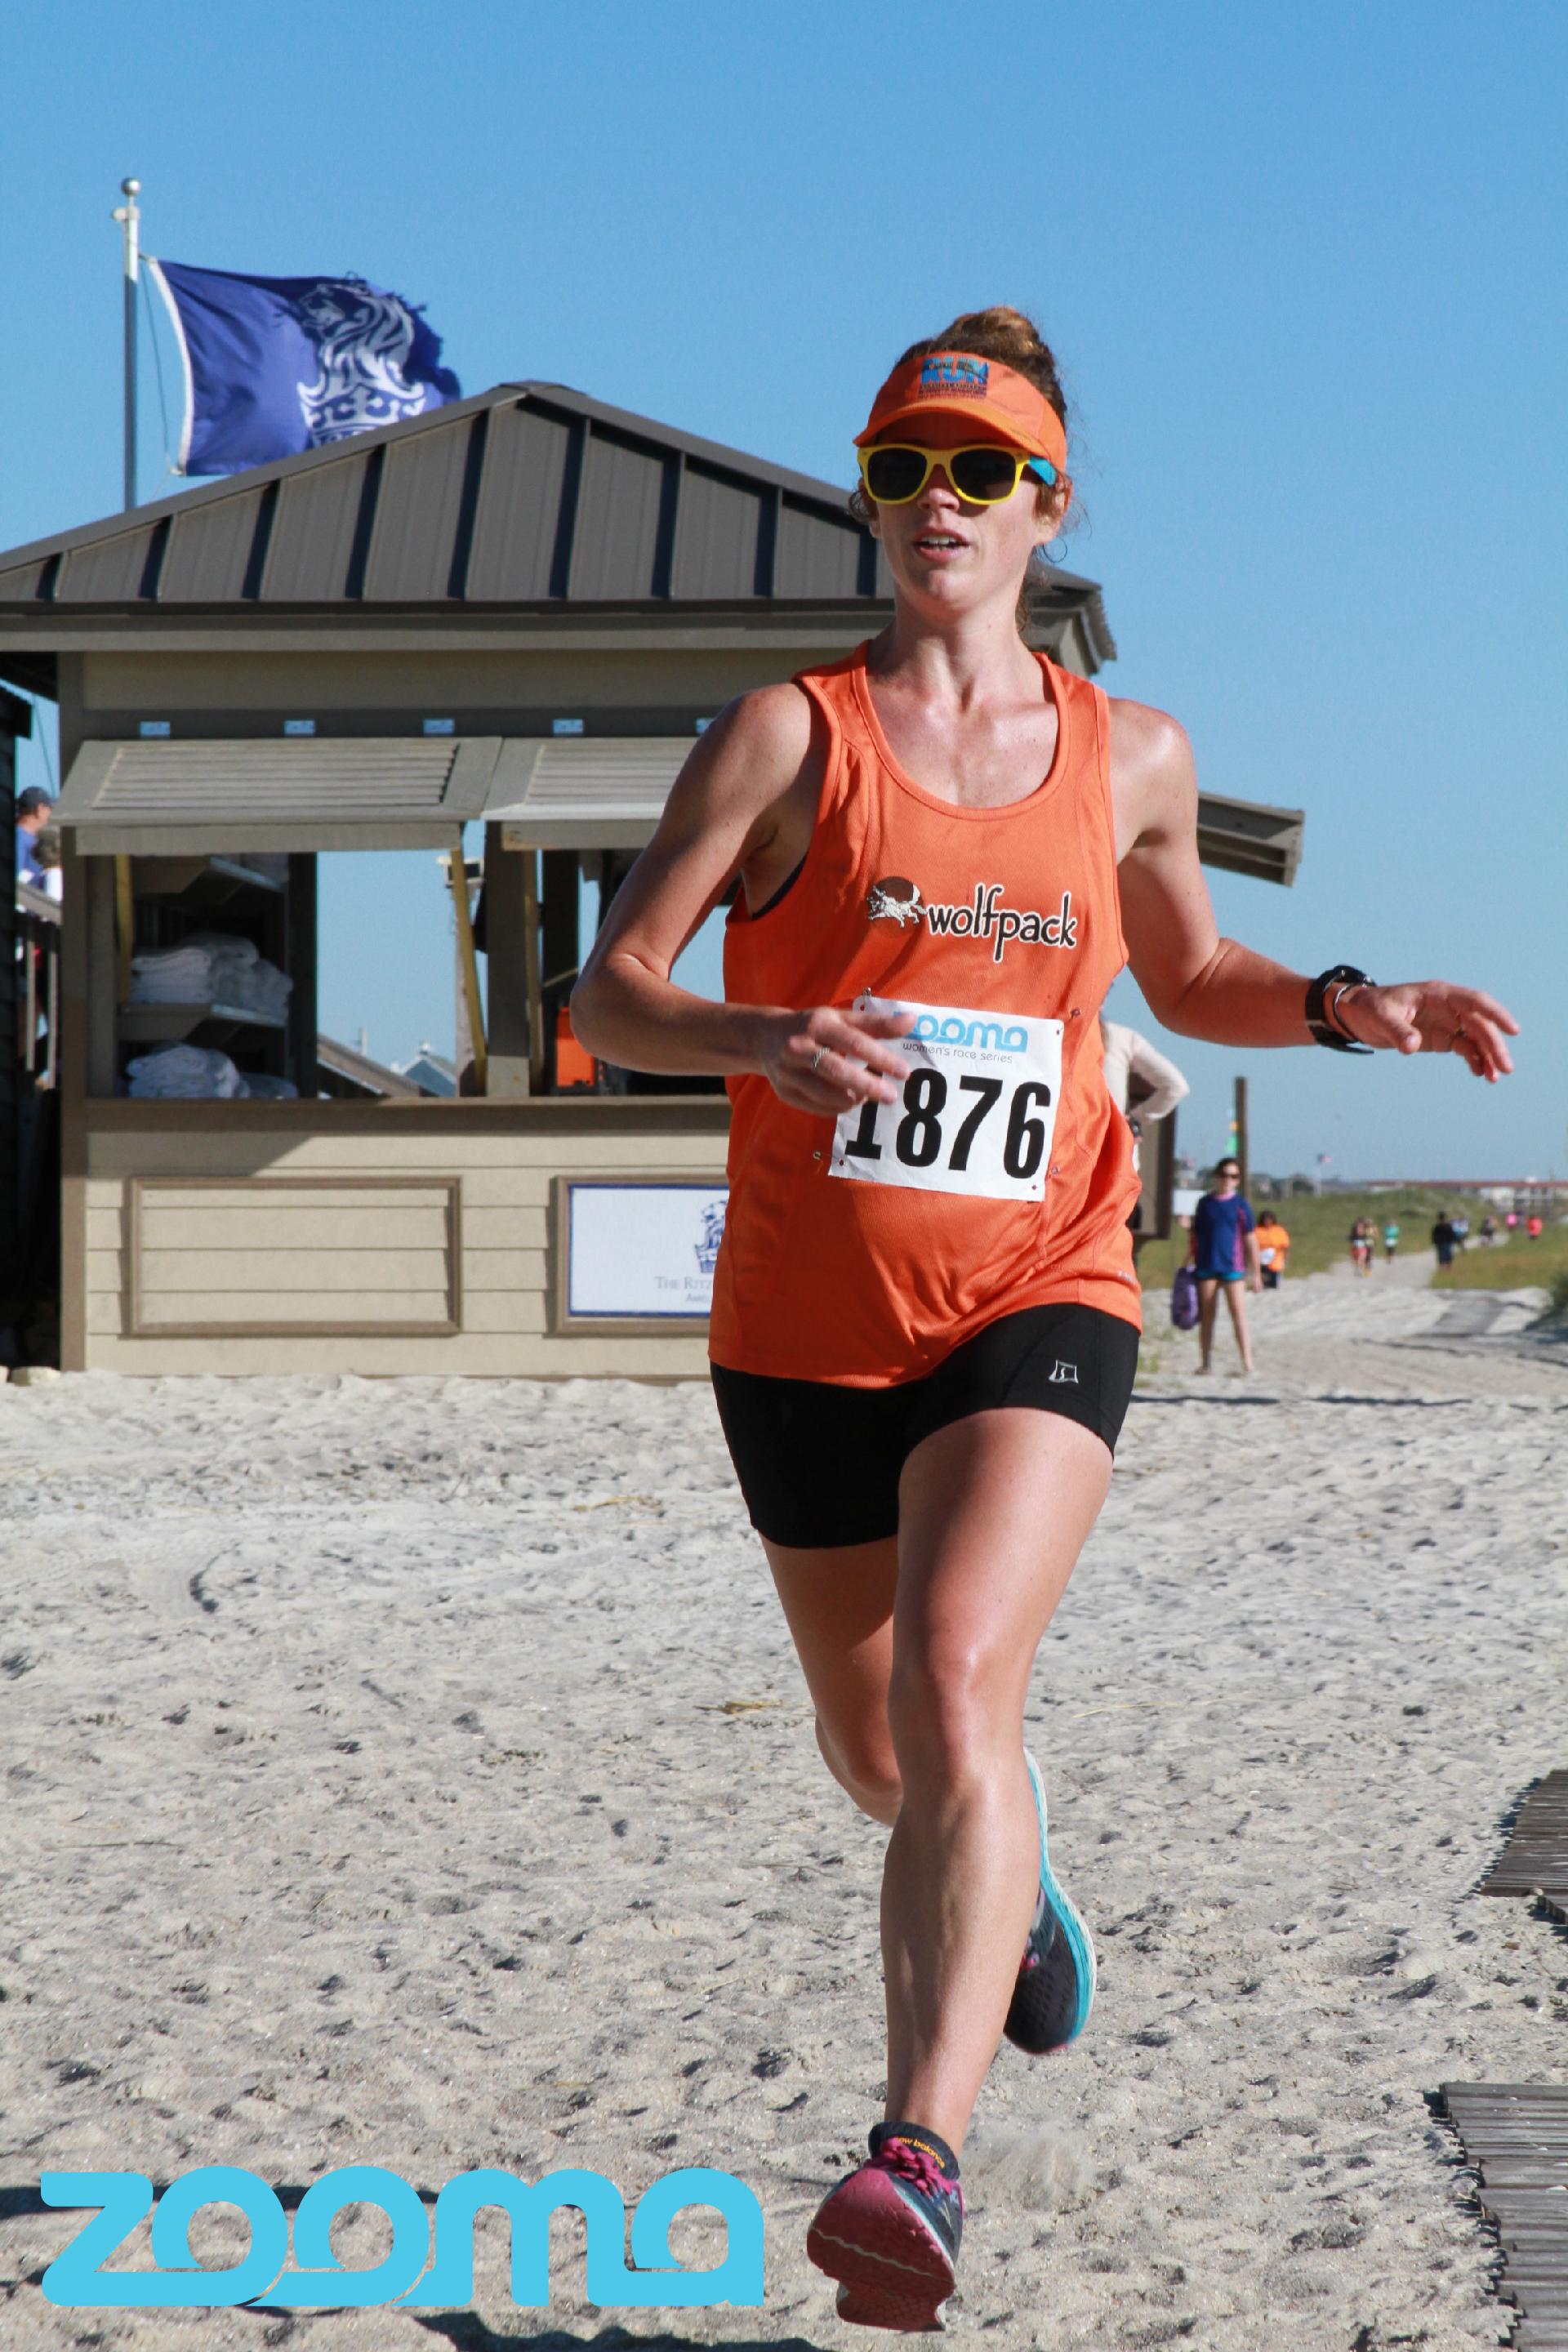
(1322,995)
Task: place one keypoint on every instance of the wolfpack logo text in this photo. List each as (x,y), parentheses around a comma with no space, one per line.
(895,901)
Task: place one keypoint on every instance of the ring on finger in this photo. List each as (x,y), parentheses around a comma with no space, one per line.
(816,1058)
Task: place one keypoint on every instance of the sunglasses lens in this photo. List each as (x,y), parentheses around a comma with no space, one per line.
(984,475)
(894,474)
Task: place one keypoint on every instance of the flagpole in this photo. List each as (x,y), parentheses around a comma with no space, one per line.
(129,216)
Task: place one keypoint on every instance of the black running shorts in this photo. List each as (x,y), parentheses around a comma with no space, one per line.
(819,1463)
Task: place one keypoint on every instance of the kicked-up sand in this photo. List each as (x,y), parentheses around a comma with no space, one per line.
(418,1773)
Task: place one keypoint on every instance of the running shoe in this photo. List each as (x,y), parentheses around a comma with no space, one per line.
(1051,2000)
(890,2233)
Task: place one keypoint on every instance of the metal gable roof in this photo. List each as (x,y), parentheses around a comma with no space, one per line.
(531,495)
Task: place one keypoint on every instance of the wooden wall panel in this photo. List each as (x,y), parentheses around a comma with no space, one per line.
(301,1219)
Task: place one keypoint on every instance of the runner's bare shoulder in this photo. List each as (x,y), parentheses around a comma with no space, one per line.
(1154,781)
(742,770)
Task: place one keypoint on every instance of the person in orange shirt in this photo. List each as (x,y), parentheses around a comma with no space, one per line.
(925,1318)
(1273,1248)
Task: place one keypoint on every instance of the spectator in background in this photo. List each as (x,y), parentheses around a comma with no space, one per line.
(1128,1056)
(1224,1257)
(1461,1225)
(1534,1227)
(1390,1239)
(46,858)
(1443,1238)
(1273,1249)
(1488,1229)
(33,808)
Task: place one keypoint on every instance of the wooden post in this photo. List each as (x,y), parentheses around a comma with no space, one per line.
(301,929)
(1243,1152)
(468,966)
(124,930)
(531,975)
(512,916)
(561,951)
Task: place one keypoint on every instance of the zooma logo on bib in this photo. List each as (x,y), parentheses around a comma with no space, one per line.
(954,1030)
(76,2279)
(894,899)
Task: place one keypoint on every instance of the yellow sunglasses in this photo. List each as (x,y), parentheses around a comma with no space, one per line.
(984,473)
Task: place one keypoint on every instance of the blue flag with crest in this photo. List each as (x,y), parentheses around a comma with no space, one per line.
(274,365)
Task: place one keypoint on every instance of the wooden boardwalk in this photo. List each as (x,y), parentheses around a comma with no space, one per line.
(1516,2136)
(1535,1859)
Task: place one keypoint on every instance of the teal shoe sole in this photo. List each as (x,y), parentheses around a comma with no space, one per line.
(1080,1943)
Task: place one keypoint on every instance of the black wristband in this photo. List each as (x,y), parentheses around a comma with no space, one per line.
(1338,975)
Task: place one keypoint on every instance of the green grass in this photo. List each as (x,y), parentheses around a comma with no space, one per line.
(1318,1226)
(1512,1264)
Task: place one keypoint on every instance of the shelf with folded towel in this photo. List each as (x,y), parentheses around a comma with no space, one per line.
(146,1024)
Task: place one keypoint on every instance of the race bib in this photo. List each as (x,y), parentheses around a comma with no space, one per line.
(977,1110)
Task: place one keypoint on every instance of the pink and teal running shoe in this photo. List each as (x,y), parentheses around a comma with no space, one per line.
(1051,2000)
(890,2233)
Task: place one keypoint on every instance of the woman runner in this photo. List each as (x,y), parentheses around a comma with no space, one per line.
(926,1320)
(1225,1256)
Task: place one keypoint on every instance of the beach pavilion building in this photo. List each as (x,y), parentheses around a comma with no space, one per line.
(518,611)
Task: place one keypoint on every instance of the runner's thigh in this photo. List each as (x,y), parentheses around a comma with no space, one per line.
(994,1511)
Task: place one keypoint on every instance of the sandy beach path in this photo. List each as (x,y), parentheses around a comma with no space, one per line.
(418,1773)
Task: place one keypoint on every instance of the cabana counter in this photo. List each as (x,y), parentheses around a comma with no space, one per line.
(371,1238)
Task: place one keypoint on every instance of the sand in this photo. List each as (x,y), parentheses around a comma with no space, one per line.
(418,1772)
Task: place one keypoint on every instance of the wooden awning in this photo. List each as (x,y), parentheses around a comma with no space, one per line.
(584,792)
(297,793)
(587,792)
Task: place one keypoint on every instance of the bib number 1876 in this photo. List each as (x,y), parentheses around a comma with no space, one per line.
(976,1112)
(930,1122)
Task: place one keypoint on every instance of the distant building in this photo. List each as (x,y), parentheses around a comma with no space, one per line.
(431,1072)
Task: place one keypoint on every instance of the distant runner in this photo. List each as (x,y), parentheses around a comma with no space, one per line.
(1273,1249)
(1224,1257)
(926,1320)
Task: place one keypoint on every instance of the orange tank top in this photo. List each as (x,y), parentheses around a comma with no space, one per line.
(862,1251)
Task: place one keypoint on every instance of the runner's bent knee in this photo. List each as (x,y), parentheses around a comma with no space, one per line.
(951,1710)
(872,1779)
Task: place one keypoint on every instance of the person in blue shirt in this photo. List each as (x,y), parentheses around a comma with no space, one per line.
(33,808)
(1224,1257)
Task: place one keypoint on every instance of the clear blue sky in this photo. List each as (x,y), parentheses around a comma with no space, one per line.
(1304,268)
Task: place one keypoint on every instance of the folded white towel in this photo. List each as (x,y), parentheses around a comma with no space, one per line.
(184,1072)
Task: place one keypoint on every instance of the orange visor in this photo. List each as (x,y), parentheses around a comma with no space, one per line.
(983,392)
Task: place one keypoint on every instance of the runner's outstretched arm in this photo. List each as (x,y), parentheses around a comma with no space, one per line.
(1201,985)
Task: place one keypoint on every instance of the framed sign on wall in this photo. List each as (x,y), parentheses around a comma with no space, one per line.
(635,1254)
